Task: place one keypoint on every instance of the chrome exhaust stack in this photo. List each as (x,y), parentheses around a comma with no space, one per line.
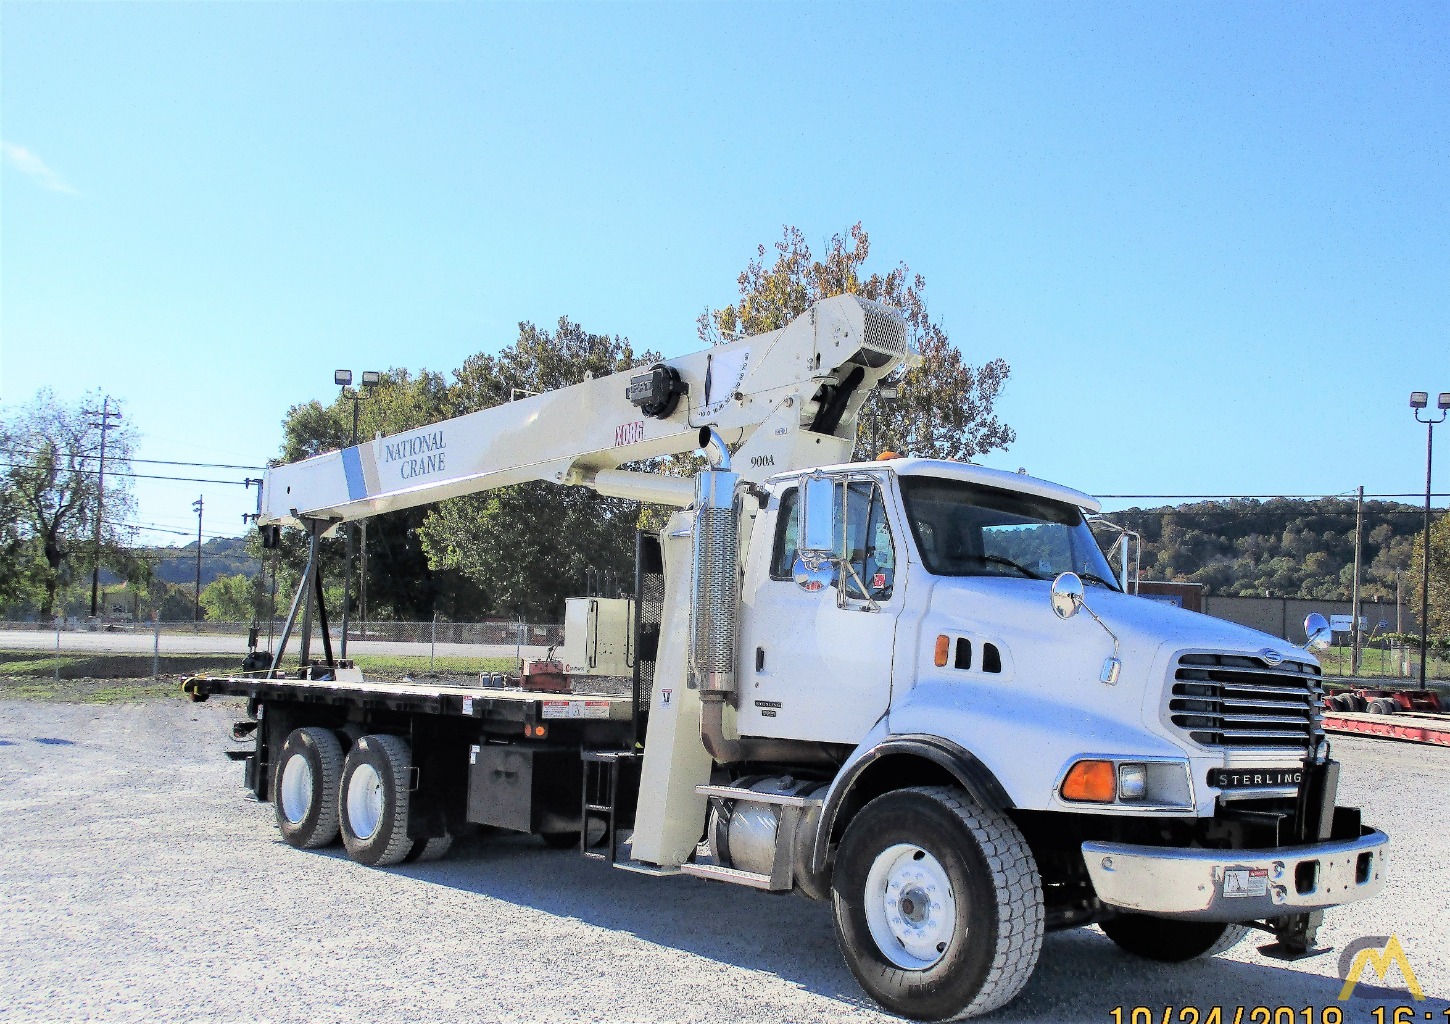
(715,583)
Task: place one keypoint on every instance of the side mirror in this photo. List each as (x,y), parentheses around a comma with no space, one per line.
(1067,595)
(1317,633)
(818,535)
(812,577)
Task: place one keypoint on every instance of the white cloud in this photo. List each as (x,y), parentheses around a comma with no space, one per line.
(27,163)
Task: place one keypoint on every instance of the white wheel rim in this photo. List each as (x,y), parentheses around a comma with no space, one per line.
(911,909)
(364,801)
(296,788)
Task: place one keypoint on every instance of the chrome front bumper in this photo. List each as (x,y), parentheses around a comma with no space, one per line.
(1237,885)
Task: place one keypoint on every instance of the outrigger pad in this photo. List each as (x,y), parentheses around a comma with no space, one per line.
(1291,951)
(1296,935)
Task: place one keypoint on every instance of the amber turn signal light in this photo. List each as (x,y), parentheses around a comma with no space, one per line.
(1091,782)
(943,647)
(538,732)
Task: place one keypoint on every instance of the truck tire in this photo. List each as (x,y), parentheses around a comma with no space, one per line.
(1171,942)
(373,801)
(305,788)
(937,904)
(425,850)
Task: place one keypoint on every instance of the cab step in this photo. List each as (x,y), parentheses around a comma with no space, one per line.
(732,875)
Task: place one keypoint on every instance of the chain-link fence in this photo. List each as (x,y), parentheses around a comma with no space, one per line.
(80,649)
(494,633)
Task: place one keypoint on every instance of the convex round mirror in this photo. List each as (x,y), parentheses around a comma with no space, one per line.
(1317,631)
(813,576)
(1067,595)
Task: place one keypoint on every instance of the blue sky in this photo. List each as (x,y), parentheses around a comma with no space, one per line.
(1211,239)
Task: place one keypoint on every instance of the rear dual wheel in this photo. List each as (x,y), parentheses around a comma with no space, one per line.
(304,791)
(319,792)
(373,806)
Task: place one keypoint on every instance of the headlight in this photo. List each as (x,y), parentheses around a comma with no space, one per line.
(1143,783)
(1132,781)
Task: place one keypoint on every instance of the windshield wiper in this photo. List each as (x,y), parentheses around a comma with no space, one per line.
(999,560)
(1093,577)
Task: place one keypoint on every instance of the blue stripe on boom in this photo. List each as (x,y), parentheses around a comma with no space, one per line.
(357,487)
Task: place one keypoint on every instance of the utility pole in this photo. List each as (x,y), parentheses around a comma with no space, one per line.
(196,506)
(1354,598)
(106,417)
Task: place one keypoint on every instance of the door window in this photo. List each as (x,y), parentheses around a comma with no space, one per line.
(865,545)
(869,555)
(787,534)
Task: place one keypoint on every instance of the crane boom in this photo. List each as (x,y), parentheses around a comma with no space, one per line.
(787,399)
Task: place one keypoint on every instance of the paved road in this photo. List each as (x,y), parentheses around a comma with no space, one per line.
(137,884)
(211,643)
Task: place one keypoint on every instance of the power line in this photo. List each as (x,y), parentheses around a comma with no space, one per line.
(150,462)
(141,476)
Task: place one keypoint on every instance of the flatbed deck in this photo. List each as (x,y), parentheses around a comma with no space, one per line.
(1409,726)
(461,700)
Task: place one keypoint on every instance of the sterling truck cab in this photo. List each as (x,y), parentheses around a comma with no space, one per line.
(912,688)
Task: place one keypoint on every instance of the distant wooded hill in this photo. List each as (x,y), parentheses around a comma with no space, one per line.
(1286,547)
(1282,547)
(220,556)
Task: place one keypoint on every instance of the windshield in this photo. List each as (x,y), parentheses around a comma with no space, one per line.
(965,529)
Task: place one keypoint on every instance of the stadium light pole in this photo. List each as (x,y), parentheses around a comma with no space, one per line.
(343,379)
(1419,400)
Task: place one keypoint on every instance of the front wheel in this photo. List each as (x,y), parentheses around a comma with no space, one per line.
(1171,942)
(938,904)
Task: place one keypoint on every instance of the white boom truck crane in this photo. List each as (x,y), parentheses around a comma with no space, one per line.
(909,687)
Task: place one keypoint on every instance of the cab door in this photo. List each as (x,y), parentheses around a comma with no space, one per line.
(816,664)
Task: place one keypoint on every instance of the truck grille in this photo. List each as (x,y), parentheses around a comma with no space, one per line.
(1231,700)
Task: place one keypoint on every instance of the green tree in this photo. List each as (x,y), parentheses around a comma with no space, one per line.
(20,581)
(402,582)
(52,489)
(945,407)
(232,599)
(1439,618)
(528,546)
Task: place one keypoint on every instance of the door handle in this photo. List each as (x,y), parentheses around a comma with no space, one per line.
(760,659)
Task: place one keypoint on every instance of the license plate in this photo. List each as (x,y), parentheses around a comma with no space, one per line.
(1253,778)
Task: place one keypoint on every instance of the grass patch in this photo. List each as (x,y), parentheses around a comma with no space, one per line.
(27,665)
(1377,663)
(143,690)
(120,678)
(384,666)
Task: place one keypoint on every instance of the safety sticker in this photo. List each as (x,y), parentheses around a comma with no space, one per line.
(1241,883)
(468,705)
(575,709)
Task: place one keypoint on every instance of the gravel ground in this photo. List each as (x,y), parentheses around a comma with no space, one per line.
(138,884)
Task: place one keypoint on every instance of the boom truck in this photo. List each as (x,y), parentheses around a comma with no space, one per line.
(909,687)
